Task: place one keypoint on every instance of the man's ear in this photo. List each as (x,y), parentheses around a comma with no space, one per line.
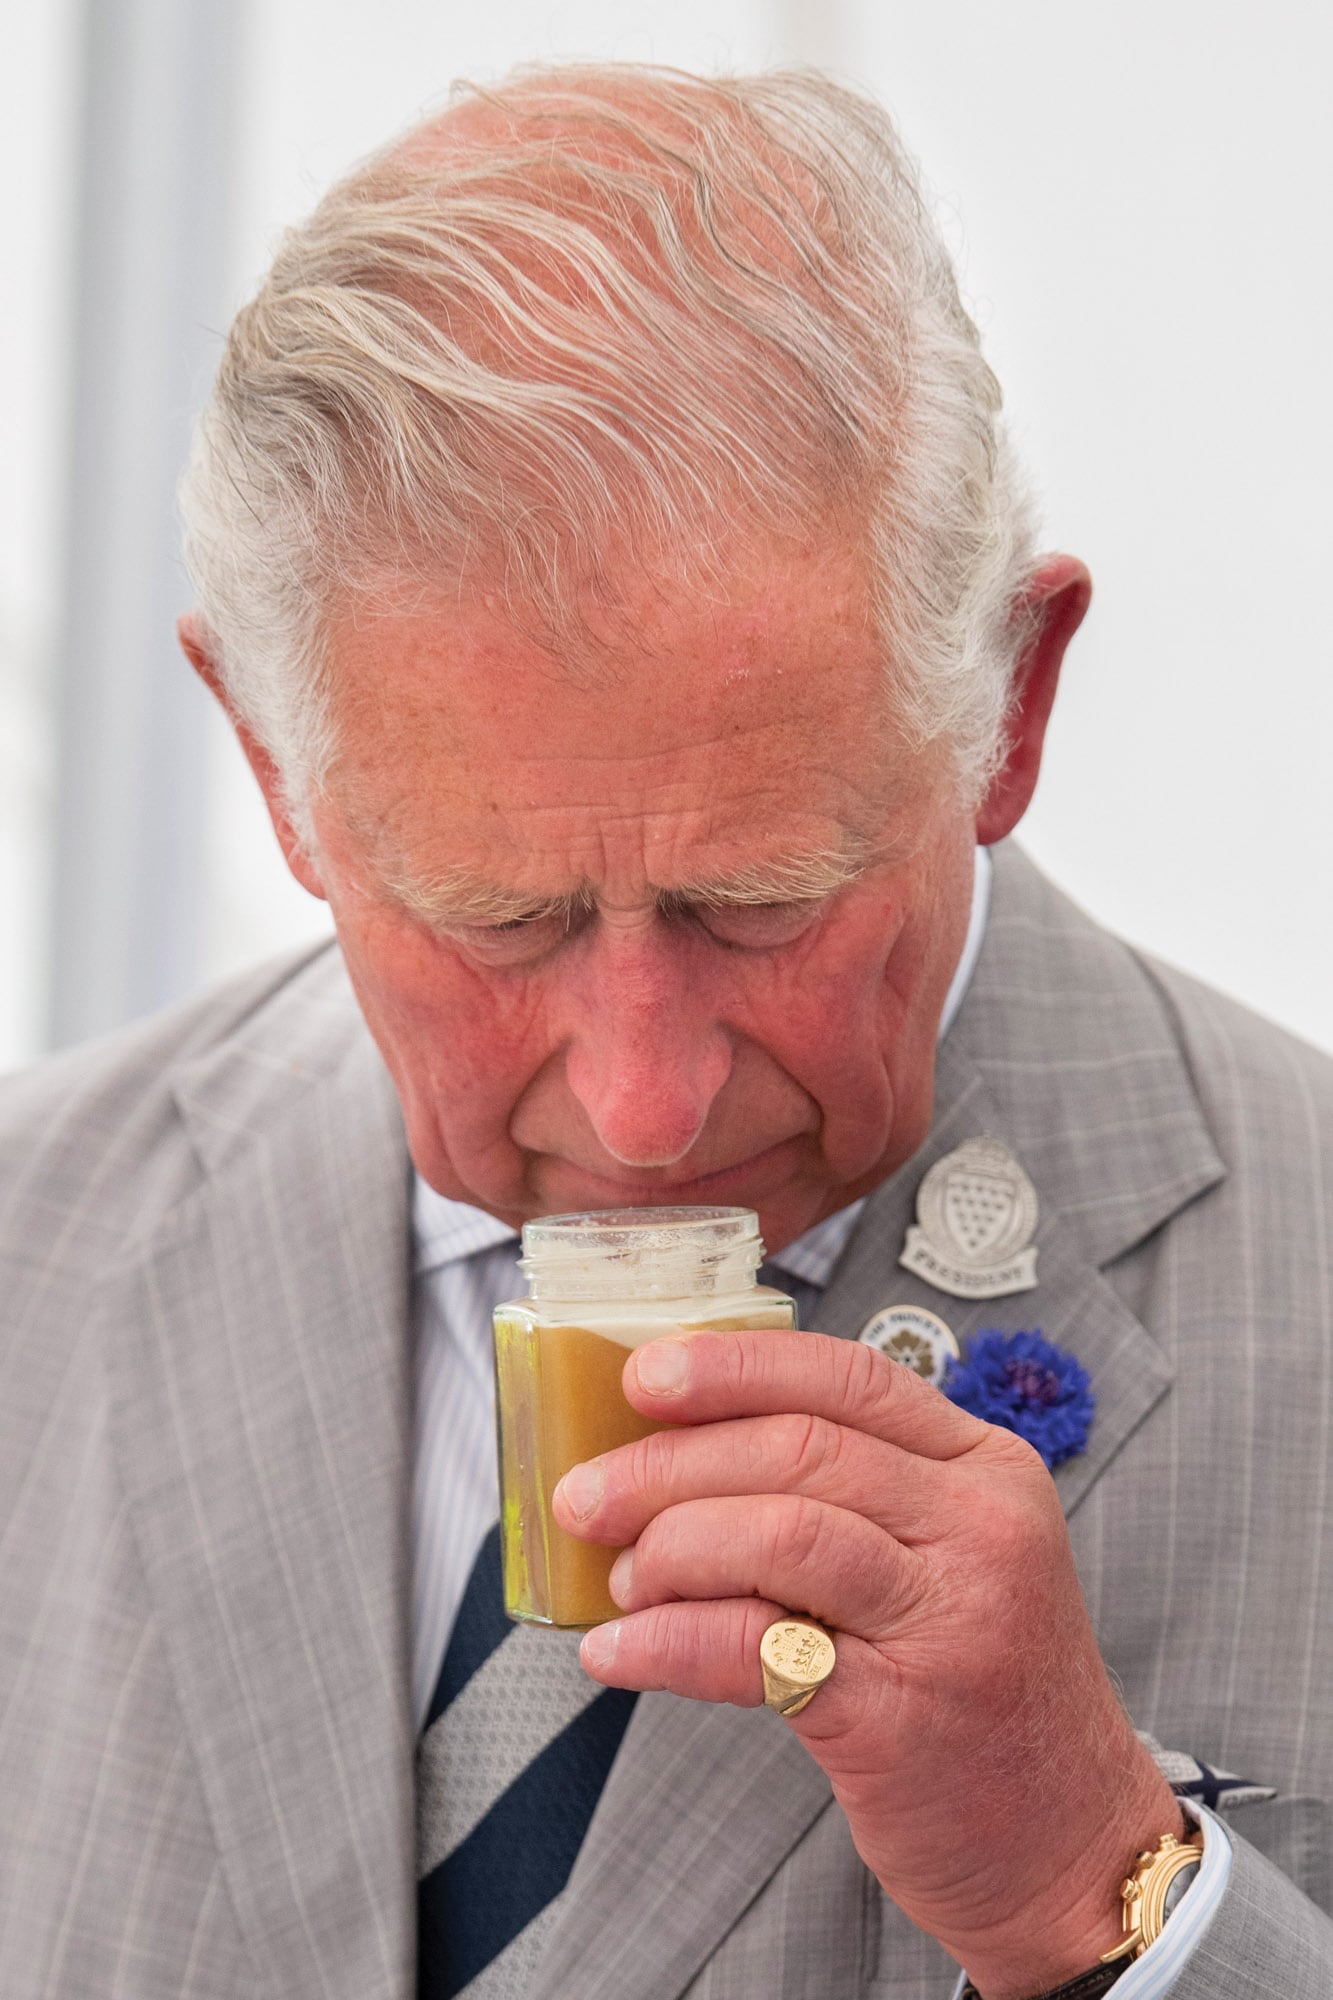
(193,636)
(1052,608)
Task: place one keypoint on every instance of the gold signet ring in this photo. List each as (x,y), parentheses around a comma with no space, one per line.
(797,1657)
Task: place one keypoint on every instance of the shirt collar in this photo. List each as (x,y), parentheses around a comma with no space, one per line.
(983,868)
(813,1255)
(445,1232)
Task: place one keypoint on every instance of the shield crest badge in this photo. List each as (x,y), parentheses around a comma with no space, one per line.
(976,1215)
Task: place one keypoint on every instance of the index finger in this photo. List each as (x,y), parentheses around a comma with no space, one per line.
(698,1378)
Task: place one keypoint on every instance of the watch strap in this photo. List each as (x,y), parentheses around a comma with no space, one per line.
(1088,1985)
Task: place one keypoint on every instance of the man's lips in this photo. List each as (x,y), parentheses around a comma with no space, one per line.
(756,1176)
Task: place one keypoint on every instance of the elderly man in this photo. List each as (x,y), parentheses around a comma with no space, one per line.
(609,557)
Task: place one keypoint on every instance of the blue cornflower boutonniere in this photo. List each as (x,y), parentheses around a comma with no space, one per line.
(1026,1384)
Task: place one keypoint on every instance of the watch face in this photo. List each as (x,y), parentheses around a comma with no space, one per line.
(1177,1887)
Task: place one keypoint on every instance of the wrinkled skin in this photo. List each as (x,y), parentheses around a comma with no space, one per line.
(534,878)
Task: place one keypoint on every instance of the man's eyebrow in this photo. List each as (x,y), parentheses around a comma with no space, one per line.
(790,878)
(457,896)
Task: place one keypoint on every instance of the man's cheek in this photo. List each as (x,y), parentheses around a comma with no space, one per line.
(824,1017)
(862,1043)
(437,1005)
(458,1105)
(827,1041)
(475,1061)
(461,1047)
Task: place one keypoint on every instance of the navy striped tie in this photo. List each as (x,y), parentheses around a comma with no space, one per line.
(517,1746)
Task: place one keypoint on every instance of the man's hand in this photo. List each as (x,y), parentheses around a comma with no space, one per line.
(990,1777)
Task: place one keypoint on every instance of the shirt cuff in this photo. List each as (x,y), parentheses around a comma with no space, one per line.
(1163,1962)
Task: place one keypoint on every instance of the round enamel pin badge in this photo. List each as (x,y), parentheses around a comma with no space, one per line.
(913,1336)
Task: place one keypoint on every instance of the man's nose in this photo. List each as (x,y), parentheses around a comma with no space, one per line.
(647,1056)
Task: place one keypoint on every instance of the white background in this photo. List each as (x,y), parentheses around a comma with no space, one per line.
(1138,197)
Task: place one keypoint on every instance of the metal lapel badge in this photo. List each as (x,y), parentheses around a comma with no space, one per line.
(976,1215)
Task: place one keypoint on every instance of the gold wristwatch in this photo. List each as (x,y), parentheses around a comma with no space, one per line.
(1160,1878)
(1147,1896)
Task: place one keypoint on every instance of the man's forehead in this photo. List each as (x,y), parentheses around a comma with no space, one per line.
(641,637)
(758,816)
(721,734)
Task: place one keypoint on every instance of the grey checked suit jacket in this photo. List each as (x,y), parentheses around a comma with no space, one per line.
(205,1746)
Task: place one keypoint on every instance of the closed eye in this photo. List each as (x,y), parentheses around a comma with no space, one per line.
(527,937)
(520,940)
(756,926)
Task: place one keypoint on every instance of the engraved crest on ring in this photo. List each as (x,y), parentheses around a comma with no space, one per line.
(917,1338)
(976,1215)
(796,1657)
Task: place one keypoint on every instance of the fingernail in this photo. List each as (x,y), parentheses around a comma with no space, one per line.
(622,1570)
(663,1367)
(582,1488)
(598,1647)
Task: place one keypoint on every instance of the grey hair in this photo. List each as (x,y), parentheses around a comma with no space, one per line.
(604,307)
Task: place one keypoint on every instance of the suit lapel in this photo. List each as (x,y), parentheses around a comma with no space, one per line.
(261,1411)
(1062,1050)
(1073,1304)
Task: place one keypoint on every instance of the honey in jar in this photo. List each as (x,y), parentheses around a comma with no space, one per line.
(600,1284)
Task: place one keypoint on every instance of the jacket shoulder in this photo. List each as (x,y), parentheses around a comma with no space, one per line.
(92,1147)
(1135,1094)
(1256,1081)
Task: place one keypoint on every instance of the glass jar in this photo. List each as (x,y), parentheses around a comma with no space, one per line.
(600,1284)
